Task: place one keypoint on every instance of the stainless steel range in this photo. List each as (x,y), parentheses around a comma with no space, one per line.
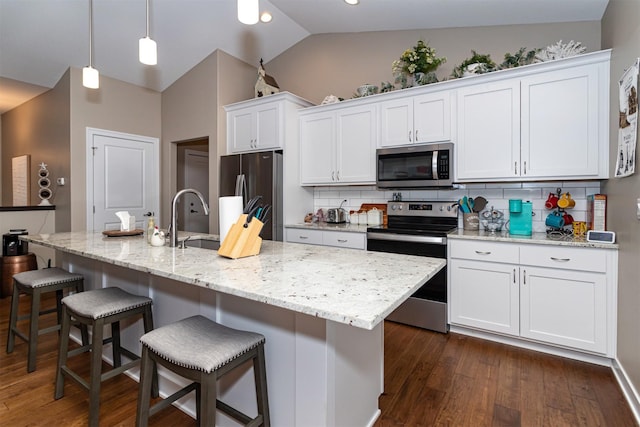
(419,228)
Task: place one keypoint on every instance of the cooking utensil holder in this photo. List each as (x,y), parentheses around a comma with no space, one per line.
(242,241)
(471,221)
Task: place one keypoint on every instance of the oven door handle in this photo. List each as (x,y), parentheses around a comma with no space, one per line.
(407,238)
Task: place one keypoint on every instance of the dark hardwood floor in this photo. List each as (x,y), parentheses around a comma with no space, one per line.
(431,379)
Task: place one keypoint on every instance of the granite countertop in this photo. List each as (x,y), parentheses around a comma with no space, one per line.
(535,238)
(359,288)
(345,226)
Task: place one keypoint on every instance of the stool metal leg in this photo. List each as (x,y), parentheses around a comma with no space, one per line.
(33,330)
(62,353)
(95,372)
(115,344)
(13,318)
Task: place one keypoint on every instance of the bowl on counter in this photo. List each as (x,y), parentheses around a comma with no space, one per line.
(492,226)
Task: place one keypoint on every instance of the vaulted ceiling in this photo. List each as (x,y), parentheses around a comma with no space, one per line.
(40,39)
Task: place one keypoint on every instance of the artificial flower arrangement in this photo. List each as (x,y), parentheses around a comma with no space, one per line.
(419,61)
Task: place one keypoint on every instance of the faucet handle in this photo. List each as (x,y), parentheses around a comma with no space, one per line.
(183,243)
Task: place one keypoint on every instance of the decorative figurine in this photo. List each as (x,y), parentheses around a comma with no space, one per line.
(265,85)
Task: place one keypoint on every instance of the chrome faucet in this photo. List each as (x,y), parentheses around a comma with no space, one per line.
(173,228)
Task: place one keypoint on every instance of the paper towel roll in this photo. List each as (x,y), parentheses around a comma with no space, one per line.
(229,209)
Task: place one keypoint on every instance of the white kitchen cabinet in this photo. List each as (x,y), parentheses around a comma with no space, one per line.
(417,119)
(259,124)
(340,239)
(488,137)
(557,295)
(550,124)
(561,128)
(337,147)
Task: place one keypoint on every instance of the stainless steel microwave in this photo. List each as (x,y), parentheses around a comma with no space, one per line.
(416,166)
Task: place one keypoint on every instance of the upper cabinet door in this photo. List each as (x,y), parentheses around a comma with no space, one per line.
(488,137)
(432,117)
(356,145)
(560,123)
(240,125)
(396,122)
(317,148)
(267,128)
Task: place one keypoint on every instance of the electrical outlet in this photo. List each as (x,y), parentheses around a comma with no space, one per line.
(60,181)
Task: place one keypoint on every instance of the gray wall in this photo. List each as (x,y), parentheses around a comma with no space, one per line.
(621,31)
(338,63)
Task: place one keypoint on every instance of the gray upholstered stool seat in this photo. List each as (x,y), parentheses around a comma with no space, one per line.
(97,308)
(202,350)
(35,283)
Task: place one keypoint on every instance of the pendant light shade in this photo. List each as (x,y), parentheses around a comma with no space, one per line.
(248,11)
(148,49)
(90,76)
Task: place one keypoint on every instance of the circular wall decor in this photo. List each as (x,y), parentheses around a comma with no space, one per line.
(44,183)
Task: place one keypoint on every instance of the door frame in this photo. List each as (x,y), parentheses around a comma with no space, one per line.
(90,133)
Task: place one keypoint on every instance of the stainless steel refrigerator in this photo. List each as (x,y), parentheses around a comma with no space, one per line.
(263,176)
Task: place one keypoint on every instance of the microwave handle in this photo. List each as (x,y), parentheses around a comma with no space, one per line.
(434,165)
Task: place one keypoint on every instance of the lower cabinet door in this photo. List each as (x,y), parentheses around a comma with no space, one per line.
(485,295)
(564,307)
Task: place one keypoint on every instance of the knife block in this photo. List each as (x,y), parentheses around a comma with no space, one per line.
(242,241)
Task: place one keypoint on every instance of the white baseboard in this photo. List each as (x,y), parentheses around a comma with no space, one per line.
(543,348)
(629,391)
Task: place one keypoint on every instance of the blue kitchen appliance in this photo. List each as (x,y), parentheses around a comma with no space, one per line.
(520,217)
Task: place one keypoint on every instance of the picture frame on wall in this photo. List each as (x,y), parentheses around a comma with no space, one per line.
(20,180)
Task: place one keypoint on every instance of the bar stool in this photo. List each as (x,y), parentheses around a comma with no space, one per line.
(97,308)
(202,351)
(35,283)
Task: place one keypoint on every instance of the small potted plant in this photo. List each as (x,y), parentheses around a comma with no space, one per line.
(476,64)
(519,58)
(418,64)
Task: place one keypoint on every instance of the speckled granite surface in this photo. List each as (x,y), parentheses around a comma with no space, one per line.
(535,238)
(343,285)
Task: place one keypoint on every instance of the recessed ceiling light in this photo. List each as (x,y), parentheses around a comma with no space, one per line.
(353,2)
(266,17)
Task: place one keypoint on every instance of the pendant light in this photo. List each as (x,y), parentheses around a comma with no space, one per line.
(148,50)
(90,76)
(248,11)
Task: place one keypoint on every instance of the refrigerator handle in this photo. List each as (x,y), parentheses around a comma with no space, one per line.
(241,186)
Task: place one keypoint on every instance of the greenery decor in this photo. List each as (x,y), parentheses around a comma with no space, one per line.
(519,58)
(476,64)
(419,59)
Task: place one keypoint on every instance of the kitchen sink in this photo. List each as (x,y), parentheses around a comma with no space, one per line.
(203,243)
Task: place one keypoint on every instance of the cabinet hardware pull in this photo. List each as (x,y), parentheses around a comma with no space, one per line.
(302,237)
(338,176)
(342,240)
(333,176)
(560,259)
(514,276)
(515,168)
(416,135)
(524,277)
(409,136)
(525,167)
(483,252)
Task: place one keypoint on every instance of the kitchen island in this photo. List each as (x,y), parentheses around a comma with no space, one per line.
(320,309)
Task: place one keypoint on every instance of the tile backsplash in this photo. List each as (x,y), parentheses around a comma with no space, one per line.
(497,194)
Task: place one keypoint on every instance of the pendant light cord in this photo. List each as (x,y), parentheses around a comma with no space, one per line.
(91,33)
(147,18)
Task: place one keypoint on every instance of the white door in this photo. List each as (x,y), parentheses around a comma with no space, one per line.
(196,175)
(122,175)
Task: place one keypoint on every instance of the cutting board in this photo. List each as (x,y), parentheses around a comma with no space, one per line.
(118,233)
(365,207)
